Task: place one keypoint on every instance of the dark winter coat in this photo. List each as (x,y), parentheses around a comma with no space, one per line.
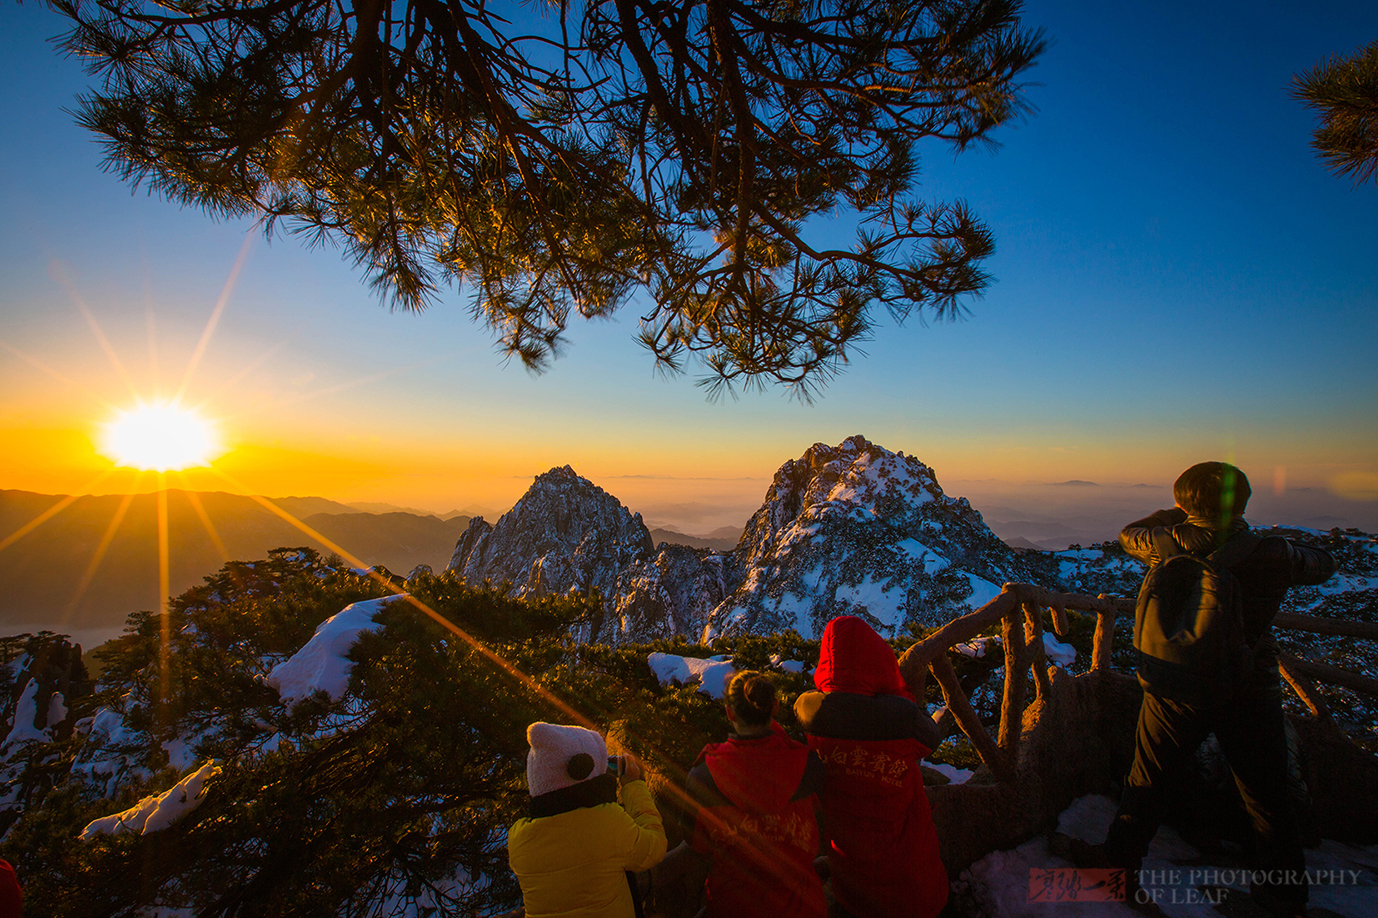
(1264,575)
(757,796)
(870,734)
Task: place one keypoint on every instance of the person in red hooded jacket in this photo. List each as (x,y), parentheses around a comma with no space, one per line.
(756,795)
(870,734)
(11,899)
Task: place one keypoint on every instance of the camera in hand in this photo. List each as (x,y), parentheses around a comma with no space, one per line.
(617,765)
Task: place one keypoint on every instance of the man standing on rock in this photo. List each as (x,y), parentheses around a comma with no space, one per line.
(1240,702)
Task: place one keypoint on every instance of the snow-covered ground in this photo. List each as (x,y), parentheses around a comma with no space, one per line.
(1182,881)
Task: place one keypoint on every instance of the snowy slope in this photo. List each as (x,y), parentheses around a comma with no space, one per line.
(856,529)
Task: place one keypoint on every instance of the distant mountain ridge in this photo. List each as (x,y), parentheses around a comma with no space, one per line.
(55,576)
(725,542)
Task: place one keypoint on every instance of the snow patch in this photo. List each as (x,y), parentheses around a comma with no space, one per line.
(153,814)
(789,666)
(954,774)
(181,753)
(982,591)
(976,647)
(712,674)
(323,665)
(1061,654)
(26,710)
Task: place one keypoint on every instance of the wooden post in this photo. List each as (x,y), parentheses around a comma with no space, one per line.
(1105,639)
(1059,611)
(1320,625)
(1332,674)
(960,706)
(918,684)
(1012,705)
(1037,655)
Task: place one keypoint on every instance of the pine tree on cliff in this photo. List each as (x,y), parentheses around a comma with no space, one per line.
(1345,93)
(675,152)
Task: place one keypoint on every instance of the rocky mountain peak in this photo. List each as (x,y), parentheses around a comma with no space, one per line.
(565,533)
(846,529)
(858,529)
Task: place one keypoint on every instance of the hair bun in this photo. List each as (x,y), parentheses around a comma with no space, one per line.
(761,692)
(580,766)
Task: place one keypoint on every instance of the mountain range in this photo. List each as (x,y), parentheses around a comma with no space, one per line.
(850,529)
(853,528)
(89,565)
(57,576)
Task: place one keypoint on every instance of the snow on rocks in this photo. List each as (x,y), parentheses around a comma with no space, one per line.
(565,533)
(789,666)
(976,647)
(1057,652)
(26,714)
(953,774)
(999,883)
(712,674)
(858,530)
(155,813)
(323,664)
(1175,875)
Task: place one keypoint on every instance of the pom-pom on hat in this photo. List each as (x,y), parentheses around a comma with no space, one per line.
(562,757)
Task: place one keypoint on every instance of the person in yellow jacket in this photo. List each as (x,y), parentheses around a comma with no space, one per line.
(575,852)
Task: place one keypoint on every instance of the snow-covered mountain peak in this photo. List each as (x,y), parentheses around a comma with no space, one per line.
(565,533)
(858,529)
(846,529)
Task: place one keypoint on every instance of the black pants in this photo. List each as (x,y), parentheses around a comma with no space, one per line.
(1252,735)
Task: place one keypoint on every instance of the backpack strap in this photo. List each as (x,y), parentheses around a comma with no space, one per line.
(1228,555)
(1235,550)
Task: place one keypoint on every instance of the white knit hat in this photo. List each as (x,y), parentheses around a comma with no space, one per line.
(562,757)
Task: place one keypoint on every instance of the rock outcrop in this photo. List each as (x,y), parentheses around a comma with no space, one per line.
(566,533)
(39,685)
(858,530)
(673,593)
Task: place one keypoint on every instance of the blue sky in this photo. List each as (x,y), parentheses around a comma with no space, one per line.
(1178,278)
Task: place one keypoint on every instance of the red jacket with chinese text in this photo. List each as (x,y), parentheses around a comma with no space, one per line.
(864,725)
(757,822)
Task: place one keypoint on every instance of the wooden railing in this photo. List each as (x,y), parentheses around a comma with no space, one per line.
(1299,672)
(1019,611)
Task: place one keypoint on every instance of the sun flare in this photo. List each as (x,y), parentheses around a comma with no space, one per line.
(161,438)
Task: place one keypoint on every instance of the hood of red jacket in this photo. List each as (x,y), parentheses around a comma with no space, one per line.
(855,659)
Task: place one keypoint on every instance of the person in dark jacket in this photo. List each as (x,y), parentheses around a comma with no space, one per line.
(1211,498)
(756,795)
(870,734)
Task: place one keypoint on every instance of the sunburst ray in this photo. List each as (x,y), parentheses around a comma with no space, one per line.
(208,332)
(99,554)
(53,511)
(55,269)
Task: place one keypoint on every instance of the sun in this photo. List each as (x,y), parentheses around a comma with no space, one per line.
(161,438)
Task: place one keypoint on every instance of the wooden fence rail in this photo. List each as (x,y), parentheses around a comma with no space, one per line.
(1019,611)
